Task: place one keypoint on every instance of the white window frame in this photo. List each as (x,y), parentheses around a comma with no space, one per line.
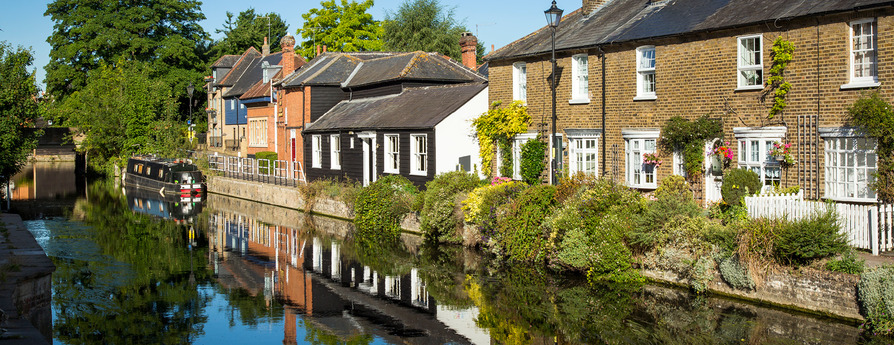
(257,131)
(334,152)
(862,81)
(578,150)
(392,154)
(419,151)
(316,143)
(517,142)
(520,81)
(580,85)
(636,144)
(679,163)
(745,66)
(645,70)
(754,145)
(845,179)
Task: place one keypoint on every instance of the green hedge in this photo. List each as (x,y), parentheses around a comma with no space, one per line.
(381,206)
(441,216)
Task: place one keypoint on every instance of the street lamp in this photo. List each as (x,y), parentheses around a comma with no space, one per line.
(189,90)
(553,17)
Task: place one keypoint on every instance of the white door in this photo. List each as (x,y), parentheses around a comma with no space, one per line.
(369,157)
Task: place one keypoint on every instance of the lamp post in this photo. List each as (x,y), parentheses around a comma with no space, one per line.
(553,17)
(189,90)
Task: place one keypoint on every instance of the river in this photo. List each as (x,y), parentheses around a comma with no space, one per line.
(134,269)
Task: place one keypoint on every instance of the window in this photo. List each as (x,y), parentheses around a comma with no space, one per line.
(583,147)
(679,163)
(754,153)
(418,164)
(257,132)
(645,73)
(335,152)
(392,152)
(850,161)
(232,104)
(636,144)
(316,142)
(751,68)
(863,57)
(517,143)
(580,89)
(519,81)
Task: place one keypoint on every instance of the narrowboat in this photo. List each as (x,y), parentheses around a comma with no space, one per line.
(177,177)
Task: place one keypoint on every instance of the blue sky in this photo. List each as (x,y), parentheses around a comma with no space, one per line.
(497,22)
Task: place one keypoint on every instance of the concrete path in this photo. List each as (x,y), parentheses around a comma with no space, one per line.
(25,275)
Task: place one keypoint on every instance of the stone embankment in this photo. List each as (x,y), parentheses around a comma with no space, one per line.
(824,293)
(25,285)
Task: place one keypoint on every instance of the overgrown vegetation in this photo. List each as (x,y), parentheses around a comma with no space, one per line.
(495,128)
(875,116)
(875,291)
(690,137)
(381,206)
(518,236)
(441,216)
(533,153)
(780,55)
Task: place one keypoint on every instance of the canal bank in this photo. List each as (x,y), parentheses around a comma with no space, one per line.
(25,285)
(828,294)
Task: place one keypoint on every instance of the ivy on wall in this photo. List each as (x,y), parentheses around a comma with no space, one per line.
(690,137)
(781,55)
(497,127)
(875,116)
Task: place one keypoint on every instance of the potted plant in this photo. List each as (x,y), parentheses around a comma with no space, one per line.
(652,159)
(722,156)
(781,153)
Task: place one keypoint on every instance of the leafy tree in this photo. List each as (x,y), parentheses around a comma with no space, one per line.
(122,111)
(346,27)
(18,109)
(248,30)
(425,25)
(87,34)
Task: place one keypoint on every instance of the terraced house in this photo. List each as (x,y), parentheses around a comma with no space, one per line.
(624,67)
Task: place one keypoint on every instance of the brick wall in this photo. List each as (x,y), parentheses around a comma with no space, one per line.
(696,74)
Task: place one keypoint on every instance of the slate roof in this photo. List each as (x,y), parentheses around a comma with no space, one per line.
(630,20)
(226,61)
(260,88)
(414,66)
(330,68)
(239,68)
(414,108)
(253,73)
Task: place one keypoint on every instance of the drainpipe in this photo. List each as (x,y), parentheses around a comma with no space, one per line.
(604,131)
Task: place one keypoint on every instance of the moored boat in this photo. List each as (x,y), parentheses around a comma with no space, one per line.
(164,176)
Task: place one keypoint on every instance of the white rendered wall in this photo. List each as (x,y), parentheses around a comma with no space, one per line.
(454,136)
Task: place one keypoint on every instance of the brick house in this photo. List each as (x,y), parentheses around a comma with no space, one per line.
(626,66)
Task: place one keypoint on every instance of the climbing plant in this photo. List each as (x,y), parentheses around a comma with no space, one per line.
(497,127)
(781,55)
(874,115)
(690,137)
(532,164)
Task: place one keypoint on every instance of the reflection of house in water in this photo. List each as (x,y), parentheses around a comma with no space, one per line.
(173,207)
(314,279)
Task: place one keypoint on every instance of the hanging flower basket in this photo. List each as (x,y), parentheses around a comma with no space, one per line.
(724,153)
(652,159)
(781,153)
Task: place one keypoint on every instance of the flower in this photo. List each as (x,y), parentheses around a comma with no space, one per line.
(724,151)
(782,154)
(651,159)
(497,180)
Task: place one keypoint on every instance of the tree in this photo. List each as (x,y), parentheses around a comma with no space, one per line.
(18,109)
(425,25)
(120,111)
(346,28)
(87,34)
(249,30)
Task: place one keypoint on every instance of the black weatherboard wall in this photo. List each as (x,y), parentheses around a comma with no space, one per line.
(323,98)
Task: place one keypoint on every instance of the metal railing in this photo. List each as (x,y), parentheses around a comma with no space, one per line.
(279,172)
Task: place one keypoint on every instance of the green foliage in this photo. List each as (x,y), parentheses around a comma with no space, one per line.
(875,292)
(122,111)
(441,215)
(497,127)
(518,236)
(424,25)
(506,166)
(848,263)
(344,28)
(756,241)
(611,260)
(18,110)
(248,30)
(814,237)
(875,116)
(381,206)
(781,55)
(736,274)
(666,218)
(690,137)
(533,153)
(606,195)
(568,186)
(265,161)
(737,184)
(673,187)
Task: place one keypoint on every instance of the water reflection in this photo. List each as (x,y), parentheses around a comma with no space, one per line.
(45,189)
(172,207)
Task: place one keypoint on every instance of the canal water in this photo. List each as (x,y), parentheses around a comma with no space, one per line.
(138,270)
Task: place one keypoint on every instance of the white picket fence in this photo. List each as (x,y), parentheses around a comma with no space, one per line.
(866,226)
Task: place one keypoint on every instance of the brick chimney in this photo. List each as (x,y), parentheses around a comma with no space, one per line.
(265,49)
(590,5)
(468,44)
(287,43)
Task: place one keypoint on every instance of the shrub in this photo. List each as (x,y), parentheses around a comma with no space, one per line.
(736,274)
(756,239)
(265,165)
(875,291)
(848,263)
(380,207)
(532,161)
(605,195)
(574,251)
(739,183)
(480,208)
(440,217)
(814,237)
(518,224)
(662,219)
(568,186)
(674,187)
(611,260)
